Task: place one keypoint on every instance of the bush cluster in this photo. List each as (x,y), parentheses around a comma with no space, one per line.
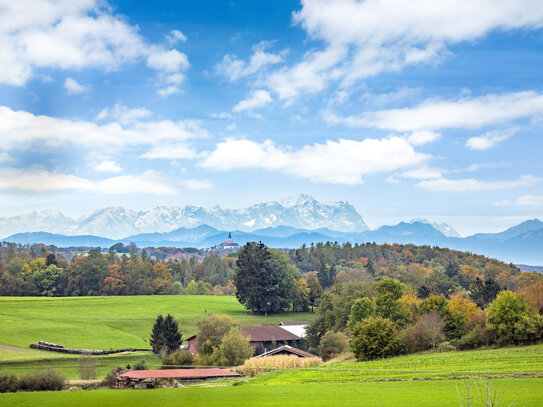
(40,380)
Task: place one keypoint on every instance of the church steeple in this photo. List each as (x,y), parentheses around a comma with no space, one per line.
(229,236)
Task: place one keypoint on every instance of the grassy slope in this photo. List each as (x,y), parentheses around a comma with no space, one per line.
(526,392)
(103,323)
(524,361)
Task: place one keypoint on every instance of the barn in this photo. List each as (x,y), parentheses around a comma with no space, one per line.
(147,378)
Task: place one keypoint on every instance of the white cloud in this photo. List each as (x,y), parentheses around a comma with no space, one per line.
(530,200)
(257,98)
(21,129)
(222,115)
(232,127)
(489,139)
(460,185)
(37,179)
(108,166)
(342,162)
(421,137)
(170,152)
(73,87)
(5,157)
(234,68)
(469,113)
(423,173)
(197,184)
(123,114)
(176,36)
(74,35)
(365,38)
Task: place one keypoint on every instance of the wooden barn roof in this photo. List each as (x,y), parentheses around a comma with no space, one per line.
(268,333)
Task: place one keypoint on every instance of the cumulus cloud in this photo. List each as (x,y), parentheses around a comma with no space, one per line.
(108,166)
(341,162)
(73,87)
(468,113)
(364,38)
(256,99)
(22,129)
(234,68)
(123,114)
(175,36)
(489,139)
(38,179)
(470,184)
(76,35)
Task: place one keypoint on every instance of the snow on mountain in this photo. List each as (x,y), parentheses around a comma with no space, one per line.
(51,221)
(116,222)
(442,227)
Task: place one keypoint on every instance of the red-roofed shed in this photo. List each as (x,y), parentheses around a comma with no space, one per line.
(131,377)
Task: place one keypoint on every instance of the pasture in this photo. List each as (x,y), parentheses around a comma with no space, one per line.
(444,393)
(104,323)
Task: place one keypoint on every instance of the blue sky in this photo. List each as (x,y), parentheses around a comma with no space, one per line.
(404,108)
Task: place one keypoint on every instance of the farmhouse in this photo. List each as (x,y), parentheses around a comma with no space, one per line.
(288,350)
(261,338)
(147,378)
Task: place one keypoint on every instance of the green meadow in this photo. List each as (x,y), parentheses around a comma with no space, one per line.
(515,375)
(104,323)
(510,392)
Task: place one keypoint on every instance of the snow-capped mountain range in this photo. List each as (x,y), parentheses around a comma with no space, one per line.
(303,212)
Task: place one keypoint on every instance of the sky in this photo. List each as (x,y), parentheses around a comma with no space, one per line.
(405,109)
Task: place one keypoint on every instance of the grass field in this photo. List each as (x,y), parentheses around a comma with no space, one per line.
(103,323)
(430,379)
(514,392)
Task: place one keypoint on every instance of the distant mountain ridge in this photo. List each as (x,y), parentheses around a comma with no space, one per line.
(520,244)
(304,212)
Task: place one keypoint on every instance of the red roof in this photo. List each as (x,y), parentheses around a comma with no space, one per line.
(267,333)
(288,349)
(177,374)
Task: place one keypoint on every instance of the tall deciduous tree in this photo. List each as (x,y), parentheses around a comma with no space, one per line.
(262,284)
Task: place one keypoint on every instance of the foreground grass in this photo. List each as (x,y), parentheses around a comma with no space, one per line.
(526,392)
(524,361)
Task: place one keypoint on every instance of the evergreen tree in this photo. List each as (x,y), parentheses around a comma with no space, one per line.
(157,335)
(165,336)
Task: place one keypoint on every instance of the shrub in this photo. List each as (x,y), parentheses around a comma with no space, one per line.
(427,332)
(41,380)
(177,359)
(375,338)
(111,380)
(8,384)
(473,339)
(234,349)
(141,365)
(510,317)
(87,367)
(256,366)
(332,344)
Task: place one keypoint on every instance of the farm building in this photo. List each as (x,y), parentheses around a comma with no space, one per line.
(146,378)
(287,350)
(262,338)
